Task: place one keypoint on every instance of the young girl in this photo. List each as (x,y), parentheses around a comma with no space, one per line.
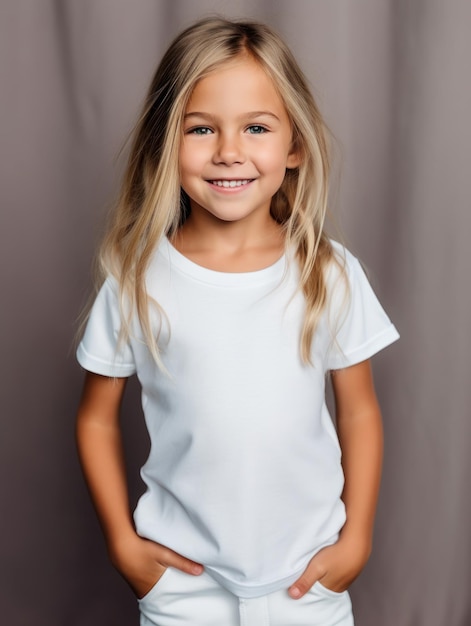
(224,295)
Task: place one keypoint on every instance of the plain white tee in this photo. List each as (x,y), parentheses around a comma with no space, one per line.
(244,472)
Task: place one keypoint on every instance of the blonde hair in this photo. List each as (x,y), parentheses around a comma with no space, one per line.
(152,205)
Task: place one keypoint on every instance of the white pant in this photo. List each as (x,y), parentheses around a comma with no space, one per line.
(180,599)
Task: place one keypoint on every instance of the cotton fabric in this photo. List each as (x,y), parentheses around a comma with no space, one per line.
(179,599)
(244,473)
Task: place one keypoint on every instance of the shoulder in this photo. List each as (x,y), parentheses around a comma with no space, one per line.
(341,264)
(108,290)
(345,278)
(161,256)
(342,255)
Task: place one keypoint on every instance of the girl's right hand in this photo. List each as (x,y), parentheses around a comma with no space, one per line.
(142,562)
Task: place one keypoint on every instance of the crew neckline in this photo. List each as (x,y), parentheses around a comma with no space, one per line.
(229,279)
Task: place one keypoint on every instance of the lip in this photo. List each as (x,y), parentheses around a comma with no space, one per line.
(229,185)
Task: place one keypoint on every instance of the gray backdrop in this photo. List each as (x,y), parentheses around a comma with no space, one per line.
(392,77)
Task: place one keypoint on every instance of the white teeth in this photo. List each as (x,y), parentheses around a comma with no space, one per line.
(230,183)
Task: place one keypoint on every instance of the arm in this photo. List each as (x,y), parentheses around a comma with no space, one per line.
(361,440)
(140,561)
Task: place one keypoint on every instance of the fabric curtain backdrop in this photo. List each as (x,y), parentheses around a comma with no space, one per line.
(390,76)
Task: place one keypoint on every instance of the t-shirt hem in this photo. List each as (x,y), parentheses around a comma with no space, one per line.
(97,366)
(255,591)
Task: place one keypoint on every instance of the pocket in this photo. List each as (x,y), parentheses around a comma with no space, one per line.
(155,587)
(323,590)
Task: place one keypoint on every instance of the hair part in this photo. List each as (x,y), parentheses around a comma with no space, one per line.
(151,203)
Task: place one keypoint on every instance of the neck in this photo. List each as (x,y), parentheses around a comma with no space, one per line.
(229,246)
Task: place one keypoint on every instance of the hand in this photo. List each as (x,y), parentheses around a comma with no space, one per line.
(335,566)
(142,562)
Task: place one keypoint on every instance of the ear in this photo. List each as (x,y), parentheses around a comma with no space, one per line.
(294,157)
(293,160)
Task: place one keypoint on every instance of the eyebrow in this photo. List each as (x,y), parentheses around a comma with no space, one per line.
(251,115)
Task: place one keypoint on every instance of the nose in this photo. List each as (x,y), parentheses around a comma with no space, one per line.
(229,150)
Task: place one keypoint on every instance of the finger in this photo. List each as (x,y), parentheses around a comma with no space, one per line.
(304,582)
(182,563)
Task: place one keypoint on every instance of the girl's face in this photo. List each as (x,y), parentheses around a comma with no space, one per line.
(237,144)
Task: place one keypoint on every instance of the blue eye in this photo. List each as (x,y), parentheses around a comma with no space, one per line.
(256,129)
(200,130)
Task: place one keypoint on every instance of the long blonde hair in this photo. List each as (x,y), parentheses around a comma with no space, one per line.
(152,205)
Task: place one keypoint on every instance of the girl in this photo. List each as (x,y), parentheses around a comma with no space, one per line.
(224,295)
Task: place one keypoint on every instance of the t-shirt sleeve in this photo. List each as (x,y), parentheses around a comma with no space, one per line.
(98,351)
(361,326)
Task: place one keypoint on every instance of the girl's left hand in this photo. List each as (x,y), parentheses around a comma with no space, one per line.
(335,566)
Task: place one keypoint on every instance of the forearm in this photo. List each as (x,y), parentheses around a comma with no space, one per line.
(140,561)
(360,434)
(361,440)
(101,455)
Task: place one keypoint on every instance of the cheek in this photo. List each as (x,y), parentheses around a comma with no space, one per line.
(192,158)
(186,162)
(274,158)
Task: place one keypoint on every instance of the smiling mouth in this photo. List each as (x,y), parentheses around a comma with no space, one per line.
(231,183)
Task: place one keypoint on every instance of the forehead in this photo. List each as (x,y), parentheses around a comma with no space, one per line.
(240,84)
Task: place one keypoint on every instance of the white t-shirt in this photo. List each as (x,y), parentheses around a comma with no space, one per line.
(244,472)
